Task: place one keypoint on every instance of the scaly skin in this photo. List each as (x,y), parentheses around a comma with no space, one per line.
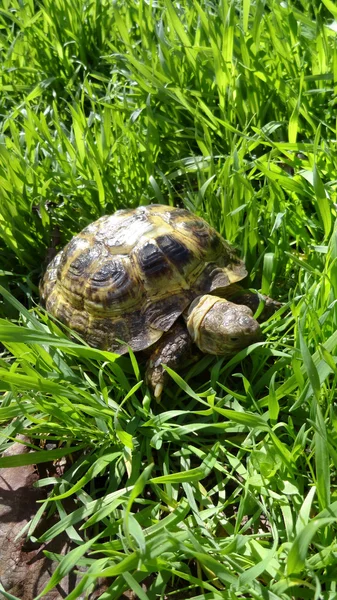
(216,326)
(130,276)
(238,295)
(172,350)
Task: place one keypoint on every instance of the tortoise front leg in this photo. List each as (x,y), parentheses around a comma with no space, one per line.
(173,350)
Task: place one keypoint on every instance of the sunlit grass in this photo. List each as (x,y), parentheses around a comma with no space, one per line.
(228,488)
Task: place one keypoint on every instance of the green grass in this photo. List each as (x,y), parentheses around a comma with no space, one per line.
(228,488)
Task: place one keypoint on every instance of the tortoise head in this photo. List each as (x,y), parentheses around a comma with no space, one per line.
(220,327)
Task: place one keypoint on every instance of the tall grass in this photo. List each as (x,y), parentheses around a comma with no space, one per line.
(228,488)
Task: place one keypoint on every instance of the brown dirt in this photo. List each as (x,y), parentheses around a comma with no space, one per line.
(24,570)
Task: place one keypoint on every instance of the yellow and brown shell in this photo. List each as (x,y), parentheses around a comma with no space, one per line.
(129,276)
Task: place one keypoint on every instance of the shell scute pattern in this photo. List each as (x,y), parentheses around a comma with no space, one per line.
(122,236)
(129,276)
(152,261)
(113,288)
(177,252)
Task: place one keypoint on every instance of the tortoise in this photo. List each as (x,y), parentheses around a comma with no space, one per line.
(156,279)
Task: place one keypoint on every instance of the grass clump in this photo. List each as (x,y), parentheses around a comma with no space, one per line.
(228,489)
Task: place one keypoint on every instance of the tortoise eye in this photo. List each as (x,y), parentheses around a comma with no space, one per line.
(234,339)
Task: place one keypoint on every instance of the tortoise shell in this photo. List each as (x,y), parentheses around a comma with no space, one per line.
(126,278)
